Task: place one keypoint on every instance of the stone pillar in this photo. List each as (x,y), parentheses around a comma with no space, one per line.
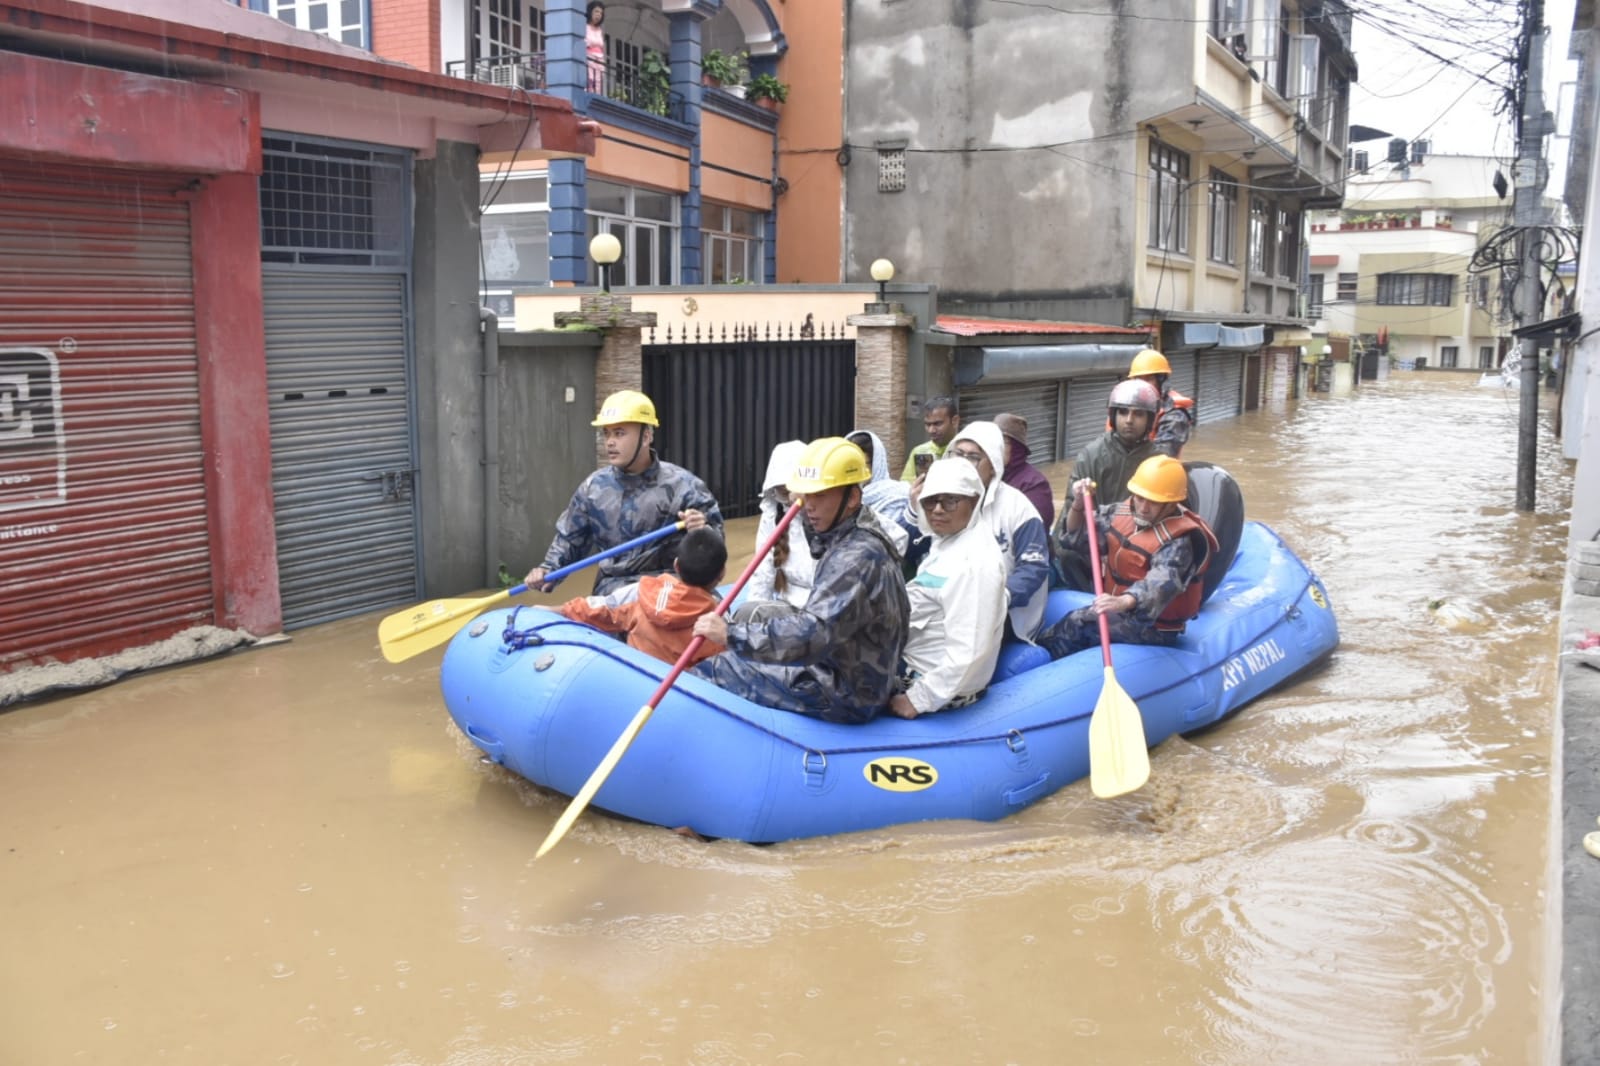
(621,362)
(883,339)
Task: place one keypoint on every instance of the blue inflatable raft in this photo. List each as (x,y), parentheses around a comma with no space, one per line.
(546,698)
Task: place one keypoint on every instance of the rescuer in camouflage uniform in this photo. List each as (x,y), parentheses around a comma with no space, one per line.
(635,494)
(837,657)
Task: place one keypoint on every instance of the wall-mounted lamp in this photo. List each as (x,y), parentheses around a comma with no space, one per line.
(605,249)
(882,273)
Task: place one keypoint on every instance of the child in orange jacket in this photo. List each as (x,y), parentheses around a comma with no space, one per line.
(659,621)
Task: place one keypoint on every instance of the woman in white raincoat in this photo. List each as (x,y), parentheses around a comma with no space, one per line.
(784,576)
(958,598)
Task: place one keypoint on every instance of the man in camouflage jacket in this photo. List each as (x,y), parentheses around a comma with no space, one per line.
(837,657)
(634,494)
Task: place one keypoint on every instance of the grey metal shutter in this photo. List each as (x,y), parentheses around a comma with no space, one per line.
(1184,374)
(1037,401)
(342,451)
(1221,386)
(1086,410)
(104,539)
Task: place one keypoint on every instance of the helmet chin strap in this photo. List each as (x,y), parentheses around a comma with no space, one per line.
(638,445)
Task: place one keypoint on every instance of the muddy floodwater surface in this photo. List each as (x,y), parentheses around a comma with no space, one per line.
(288,855)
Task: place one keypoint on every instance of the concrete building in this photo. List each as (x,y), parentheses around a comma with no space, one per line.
(1127,165)
(1398,258)
(686,173)
(239,363)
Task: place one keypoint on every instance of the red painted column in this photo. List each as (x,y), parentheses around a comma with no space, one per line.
(230,338)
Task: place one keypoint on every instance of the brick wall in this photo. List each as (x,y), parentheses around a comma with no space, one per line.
(407,31)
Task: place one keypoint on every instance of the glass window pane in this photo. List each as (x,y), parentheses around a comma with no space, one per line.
(656,205)
(350,12)
(644,255)
(752,262)
(318,14)
(744,222)
(516,247)
(665,275)
(716,261)
(606,198)
(514,190)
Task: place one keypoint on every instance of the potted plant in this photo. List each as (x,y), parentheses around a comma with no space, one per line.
(719,68)
(655,83)
(767,90)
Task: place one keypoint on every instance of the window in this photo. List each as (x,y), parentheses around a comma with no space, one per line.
(1347,288)
(1169,210)
(1288,243)
(515,239)
(731,243)
(1314,291)
(1449,355)
(1260,235)
(1304,58)
(1426,290)
(1486,357)
(1228,21)
(1480,291)
(1223,207)
(508,28)
(645,221)
(892,169)
(338,20)
(333,204)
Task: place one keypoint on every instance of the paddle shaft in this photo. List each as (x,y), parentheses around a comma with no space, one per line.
(599,557)
(1093,528)
(622,743)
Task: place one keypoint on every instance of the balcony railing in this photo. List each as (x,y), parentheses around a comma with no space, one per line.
(629,85)
(514,70)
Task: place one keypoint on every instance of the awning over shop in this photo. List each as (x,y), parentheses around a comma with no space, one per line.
(1040,362)
(1214,336)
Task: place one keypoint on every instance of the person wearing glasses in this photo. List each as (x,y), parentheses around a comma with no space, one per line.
(1016,526)
(958,598)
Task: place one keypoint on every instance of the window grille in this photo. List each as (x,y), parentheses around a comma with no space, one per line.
(891,170)
(1416,290)
(1346,292)
(333,204)
(1314,291)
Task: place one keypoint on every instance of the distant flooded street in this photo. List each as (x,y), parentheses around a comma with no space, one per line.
(288,855)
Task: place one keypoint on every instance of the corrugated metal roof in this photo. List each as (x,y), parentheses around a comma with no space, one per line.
(963,326)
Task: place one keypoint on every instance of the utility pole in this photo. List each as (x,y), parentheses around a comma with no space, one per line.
(1527,204)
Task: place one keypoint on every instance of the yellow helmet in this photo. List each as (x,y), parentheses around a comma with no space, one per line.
(829,463)
(1160,478)
(1149,361)
(626,406)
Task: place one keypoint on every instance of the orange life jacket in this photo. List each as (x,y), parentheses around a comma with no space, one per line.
(1130,548)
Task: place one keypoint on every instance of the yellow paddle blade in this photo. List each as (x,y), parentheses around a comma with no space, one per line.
(596,779)
(1119,757)
(428,625)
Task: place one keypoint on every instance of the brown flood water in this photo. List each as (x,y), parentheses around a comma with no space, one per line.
(287,855)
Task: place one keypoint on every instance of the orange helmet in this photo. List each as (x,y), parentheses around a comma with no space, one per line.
(1160,478)
(1149,361)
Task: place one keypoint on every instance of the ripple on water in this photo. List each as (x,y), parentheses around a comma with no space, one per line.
(1374,931)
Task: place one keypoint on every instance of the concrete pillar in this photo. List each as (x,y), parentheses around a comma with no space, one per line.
(883,339)
(621,361)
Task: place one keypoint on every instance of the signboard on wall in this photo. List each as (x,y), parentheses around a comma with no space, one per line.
(33,449)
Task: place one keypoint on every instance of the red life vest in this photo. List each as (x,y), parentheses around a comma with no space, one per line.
(1128,553)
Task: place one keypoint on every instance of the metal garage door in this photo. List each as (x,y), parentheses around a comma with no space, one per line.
(1221,386)
(1037,401)
(103,531)
(1086,410)
(1184,374)
(342,459)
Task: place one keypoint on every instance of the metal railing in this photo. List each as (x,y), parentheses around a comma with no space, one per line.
(514,70)
(629,85)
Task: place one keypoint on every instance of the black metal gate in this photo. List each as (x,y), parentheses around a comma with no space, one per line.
(723,406)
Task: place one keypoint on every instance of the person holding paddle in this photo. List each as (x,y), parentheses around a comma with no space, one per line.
(634,494)
(1156,552)
(837,656)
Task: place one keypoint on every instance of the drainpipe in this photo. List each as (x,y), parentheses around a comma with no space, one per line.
(489,332)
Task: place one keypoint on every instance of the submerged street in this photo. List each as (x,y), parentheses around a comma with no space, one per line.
(289,855)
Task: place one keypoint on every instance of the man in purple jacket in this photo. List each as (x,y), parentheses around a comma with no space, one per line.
(1021,474)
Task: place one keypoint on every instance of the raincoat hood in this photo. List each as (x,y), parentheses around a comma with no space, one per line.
(782,463)
(987,436)
(880,459)
(952,477)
